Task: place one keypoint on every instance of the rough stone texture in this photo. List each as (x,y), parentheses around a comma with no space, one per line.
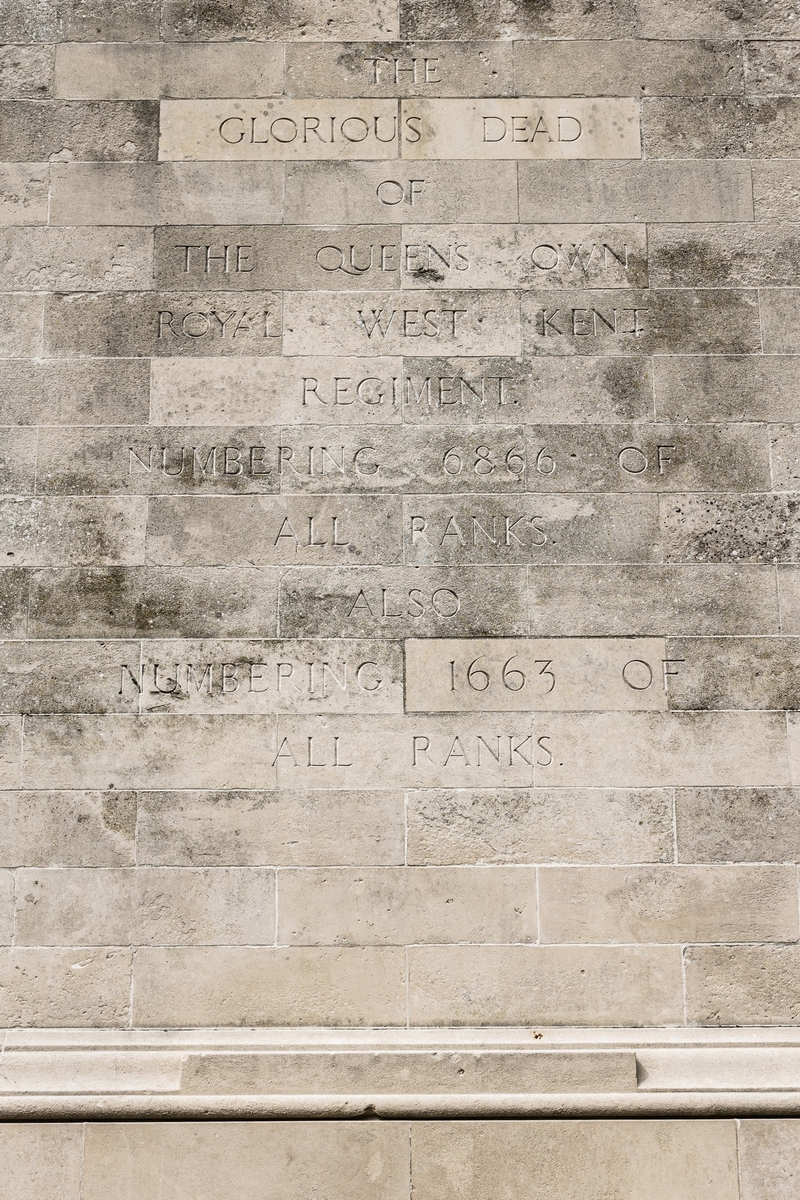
(399,569)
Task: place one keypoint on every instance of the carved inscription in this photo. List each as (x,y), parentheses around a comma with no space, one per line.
(561,674)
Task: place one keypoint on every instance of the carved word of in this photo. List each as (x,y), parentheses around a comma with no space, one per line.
(393,191)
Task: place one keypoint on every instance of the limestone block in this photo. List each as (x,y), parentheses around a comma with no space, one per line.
(84,531)
(405,68)
(145,906)
(737,824)
(509,530)
(53,130)
(736,387)
(26,71)
(627,68)
(769,1152)
(392,906)
(731,255)
(668,904)
(734,673)
(21,326)
(23,193)
(776,186)
(241,985)
(415,323)
(397,191)
(60,20)
(17,461)
(736,528)
(64,676)
(772,68)
(540,985)
(721,127)
(348,1161)
(636,191)
(742,985)
(481,18)
(133,324)
(273,530)
(143,193)
(13,602)
(71,988)
(42,1161)
(785,458)
(402,601)
(475,129)
(539,825)
(153,460)
(68,829)
(473,391)
(154,602)
(297,391)
(164,751)
(658,321)
(256,676)
(652,749)
(592,1159)
(777,317)
(559,674)
(144,71)
(258,828)
(713,19)
(193,21)
(695,599)
(70,392)
(36,260)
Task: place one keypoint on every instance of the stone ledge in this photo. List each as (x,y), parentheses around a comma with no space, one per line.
(83,1074)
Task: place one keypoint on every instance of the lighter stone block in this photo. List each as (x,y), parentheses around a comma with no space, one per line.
(23,193)
(142,71)
(564,674)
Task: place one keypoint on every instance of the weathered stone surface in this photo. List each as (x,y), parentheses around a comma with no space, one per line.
(26,71)
(454,1160)
(60,130)
(194,21)
(694,599)
(285,828)
(36,260)
(68,829)
(741,985)
(533,985)
(145,906)
(776,186)
(23,193)
(713,18)
(144,72)
(481,18)
(402,905)
(538,825)
(51,988)
(143,193)
(667,904)
(738,824)
(56,1150)
(21,326)
(402,601)
(778,307)
(735,529)
(99,392)
(152,601)
(397,191)
(72,532)
(129,324)
(13,602)
(301,985)
(449,68)
(721,127)
(704,388)
(772,68)
(347,1160)
(726,673)
(628,68)
(636,191)
(667,320)
(63,676)
(768,1155)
